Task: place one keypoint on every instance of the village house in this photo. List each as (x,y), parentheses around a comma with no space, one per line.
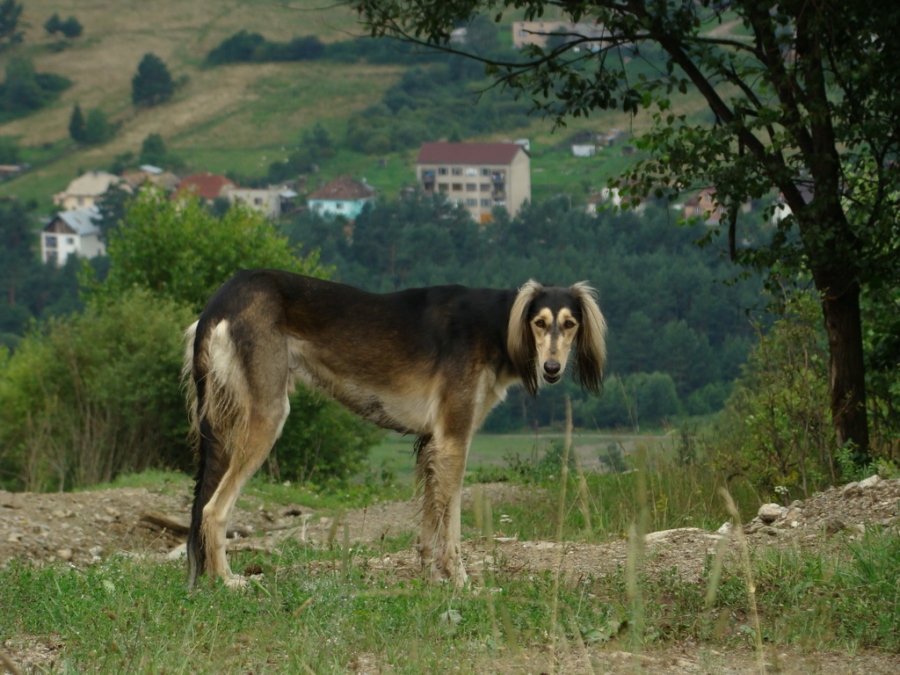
(700,204)
(479,176)
(72,233)
(207,186)
(85,191)
(537,33)
(152,175)
(341,197)
(271,201)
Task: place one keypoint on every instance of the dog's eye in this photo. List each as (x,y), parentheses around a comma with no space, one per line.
(569,324)
(540,323)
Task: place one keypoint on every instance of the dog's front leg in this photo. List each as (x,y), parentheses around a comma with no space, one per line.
(441,465)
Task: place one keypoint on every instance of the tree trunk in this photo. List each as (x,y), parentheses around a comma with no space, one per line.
(846,376)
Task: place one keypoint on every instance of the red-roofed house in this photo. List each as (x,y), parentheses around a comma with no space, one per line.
(207,186)
(341,197)
(479,176)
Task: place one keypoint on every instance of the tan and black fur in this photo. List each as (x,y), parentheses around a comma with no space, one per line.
(427,361)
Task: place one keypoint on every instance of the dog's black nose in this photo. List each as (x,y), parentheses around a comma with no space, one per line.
(551,367)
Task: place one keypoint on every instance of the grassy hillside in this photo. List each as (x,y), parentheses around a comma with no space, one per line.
(239,117)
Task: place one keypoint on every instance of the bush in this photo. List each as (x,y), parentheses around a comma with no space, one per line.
(10,151)
(25,90)
(244,47)
(776,427)
(179,250)
(97,128)
(71,27)
(321,440)
(89,397)
(239,48)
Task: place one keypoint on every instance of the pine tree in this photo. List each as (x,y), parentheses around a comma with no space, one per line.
(153,83)
(76,124)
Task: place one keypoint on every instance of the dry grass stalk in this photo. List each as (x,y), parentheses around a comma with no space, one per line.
(748,576)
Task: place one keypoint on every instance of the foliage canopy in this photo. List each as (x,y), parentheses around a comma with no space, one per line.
(803,104)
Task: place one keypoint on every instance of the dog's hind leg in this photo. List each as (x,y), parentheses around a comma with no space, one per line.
(243,406)
(264,427)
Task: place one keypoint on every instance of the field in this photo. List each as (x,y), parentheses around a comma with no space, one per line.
(563,578)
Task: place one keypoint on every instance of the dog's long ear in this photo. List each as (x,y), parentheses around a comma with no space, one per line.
(590,347)
(520,340)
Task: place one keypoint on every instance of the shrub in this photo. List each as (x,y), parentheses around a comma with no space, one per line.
(776,427)
(88,397)
(321,440)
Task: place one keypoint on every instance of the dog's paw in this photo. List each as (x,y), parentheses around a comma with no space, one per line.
(236,582)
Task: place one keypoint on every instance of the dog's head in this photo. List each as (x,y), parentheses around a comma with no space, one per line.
(546,325)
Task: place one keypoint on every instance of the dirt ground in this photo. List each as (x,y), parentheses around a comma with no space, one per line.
(83,528)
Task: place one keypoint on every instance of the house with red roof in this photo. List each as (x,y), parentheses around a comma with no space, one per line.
(479,176)
(341,197)
(206,186)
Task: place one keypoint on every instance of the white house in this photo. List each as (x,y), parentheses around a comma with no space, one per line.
(72,233)
(87,189)
(584,150)
(341,197)
(270,201)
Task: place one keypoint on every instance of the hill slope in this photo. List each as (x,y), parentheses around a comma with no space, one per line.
(240,117)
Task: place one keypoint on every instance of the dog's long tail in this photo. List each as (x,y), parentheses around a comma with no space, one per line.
(209,374)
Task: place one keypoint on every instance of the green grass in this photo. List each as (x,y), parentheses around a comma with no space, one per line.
(314,612)
(326,610)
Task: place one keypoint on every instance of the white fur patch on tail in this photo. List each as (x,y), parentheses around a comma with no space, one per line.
(225,403)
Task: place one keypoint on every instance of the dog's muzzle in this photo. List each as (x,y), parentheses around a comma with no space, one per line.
(552,373)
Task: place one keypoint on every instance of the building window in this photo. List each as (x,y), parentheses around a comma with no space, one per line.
(485,172)
(486,202)
(50,241)
(457,187)
(471,202)
(443,187)
(471,187)
(471,172)
(457,171)
(338,206)
(70,241)
(442,171)
(257,201)
(485,187)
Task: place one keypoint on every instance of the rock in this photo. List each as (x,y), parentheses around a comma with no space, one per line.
(64,554)
(724,528)
(870,482)
(851,490)
(177,553)
(833,525)
(769,513)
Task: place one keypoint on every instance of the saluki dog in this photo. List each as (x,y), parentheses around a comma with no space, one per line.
(425,361)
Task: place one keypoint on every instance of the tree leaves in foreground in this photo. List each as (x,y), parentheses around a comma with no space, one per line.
(805,104)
